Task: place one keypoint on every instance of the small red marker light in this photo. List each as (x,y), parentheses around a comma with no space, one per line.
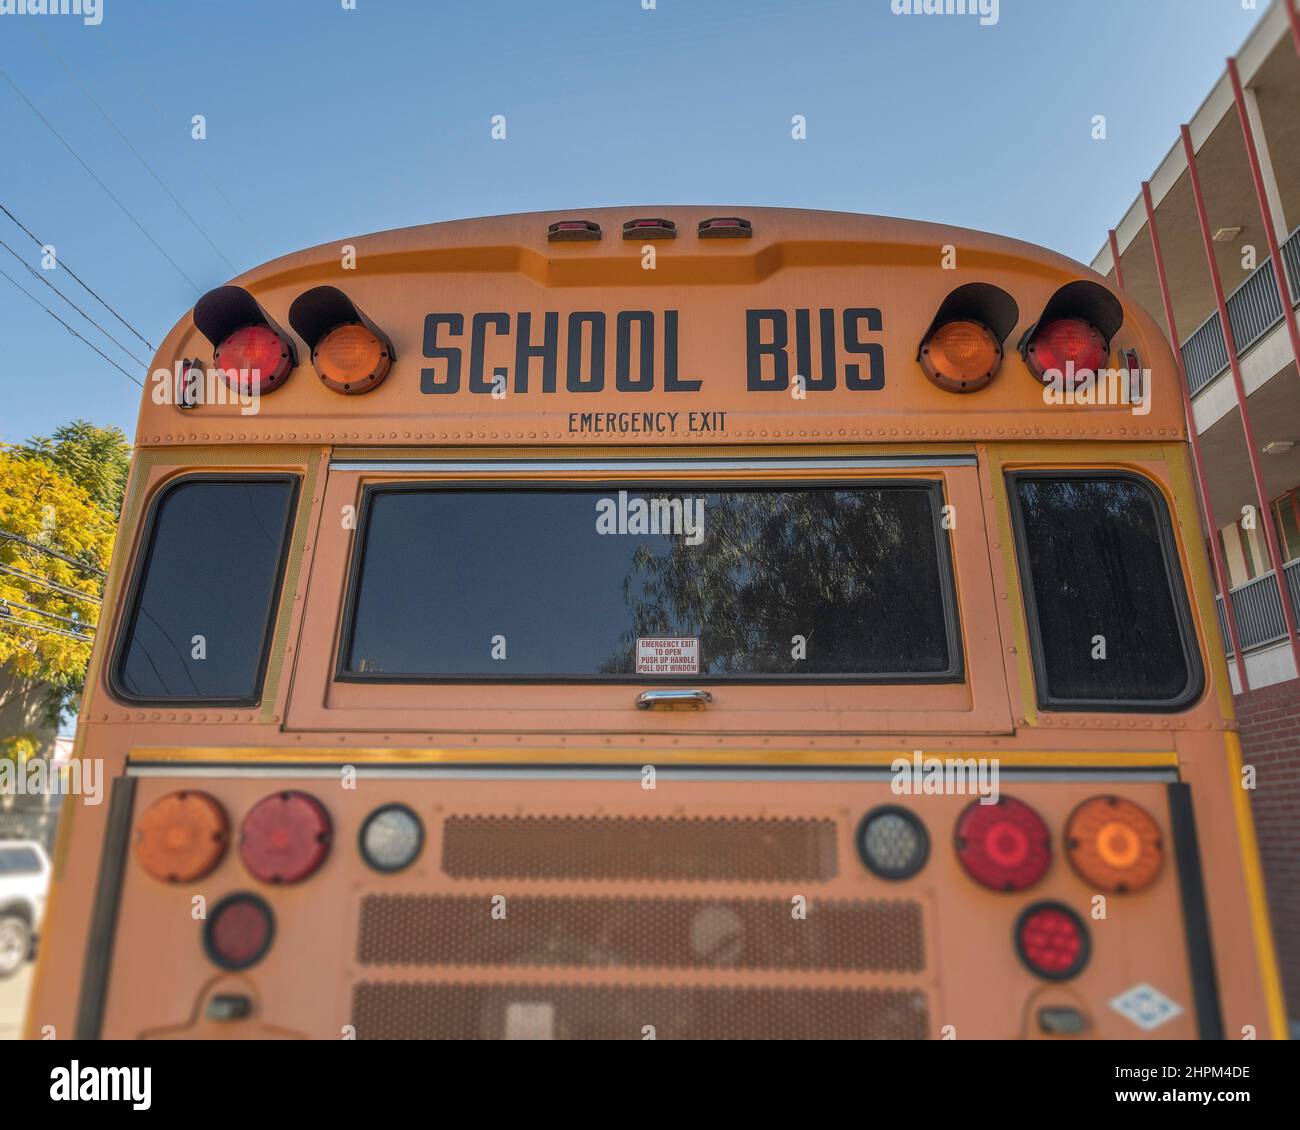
(1052,941)
(239,931)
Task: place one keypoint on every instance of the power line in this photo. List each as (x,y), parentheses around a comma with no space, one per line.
(162,117)
(37,274)
(73,332)
(77,278)
(11,622)
(53,553)
(5,603)
(87,597)
(104,114)
(125,211)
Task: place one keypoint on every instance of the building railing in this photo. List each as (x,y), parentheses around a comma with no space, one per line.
(1254,308)
(1258,606)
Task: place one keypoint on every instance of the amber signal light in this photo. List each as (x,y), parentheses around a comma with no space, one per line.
(961,356)
(1114,844)
(351,354)
(182,837)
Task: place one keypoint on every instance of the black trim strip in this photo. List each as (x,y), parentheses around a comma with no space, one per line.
(1196,921)
(103,919)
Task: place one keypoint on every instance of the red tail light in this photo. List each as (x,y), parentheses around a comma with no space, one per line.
(1052,941)
(1064,342)
(254,359)
(285,838)
(239,931)
(1004,846)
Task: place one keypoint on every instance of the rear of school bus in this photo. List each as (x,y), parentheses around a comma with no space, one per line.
(611,625)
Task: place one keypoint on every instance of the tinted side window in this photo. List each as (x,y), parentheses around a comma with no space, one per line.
(212,568)
(1104,592)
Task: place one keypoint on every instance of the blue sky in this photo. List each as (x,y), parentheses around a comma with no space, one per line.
(324,122)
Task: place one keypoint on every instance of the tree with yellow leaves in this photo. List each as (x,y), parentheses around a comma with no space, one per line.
(56,537)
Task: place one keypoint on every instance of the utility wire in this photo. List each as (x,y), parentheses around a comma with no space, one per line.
(162,117)
(10,622)
(77,278)
(125,211)
(73,332)
(42,612)
(126,141)
(53,553)
(40,277)
(87,597)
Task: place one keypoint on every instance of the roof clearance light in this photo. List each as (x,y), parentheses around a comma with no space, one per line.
(352,360)
(726,227)
(1065,346)
(568,231)
(893,843)
(961,356)
(1003,846)
(650,228)
(181,837)
(1114,844)
(239,931)
(254,359)
(391,838)
(285,838)
(1052,941)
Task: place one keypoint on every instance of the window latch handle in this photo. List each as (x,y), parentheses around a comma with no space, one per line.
(673,700)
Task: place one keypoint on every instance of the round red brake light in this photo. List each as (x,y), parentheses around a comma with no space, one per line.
(285,838)
(1003,846)
(239,931)
(1065,346)
(254,359)
(1052,941)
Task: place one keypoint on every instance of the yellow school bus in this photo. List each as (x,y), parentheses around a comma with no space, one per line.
(675,622)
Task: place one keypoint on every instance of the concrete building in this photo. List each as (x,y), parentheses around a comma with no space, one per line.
(1211,247)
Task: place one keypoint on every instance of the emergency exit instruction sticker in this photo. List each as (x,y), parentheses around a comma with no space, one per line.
(668,655)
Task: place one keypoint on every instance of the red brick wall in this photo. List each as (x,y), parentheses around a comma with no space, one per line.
(1270,740)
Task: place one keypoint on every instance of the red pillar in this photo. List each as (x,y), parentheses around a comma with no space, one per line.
(1257,174)
(1216,553)
(1234,364)
(1114,254)
(1293,15)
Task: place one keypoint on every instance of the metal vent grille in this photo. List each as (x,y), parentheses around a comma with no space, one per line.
(643,933)
(406,1011)
(618,847)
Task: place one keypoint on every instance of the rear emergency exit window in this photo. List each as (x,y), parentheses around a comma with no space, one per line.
(840,584)
(199,621)
(1108,611)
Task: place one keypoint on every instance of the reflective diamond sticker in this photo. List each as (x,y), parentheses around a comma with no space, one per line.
(1146,1006)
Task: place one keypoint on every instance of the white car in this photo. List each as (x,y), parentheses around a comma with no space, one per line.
(24,878)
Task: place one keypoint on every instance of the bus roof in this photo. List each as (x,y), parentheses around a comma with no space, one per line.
(504,332)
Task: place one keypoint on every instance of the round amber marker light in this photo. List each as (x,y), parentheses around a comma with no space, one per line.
(181,837)
(1114,844)
(961,356)
(350,359)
